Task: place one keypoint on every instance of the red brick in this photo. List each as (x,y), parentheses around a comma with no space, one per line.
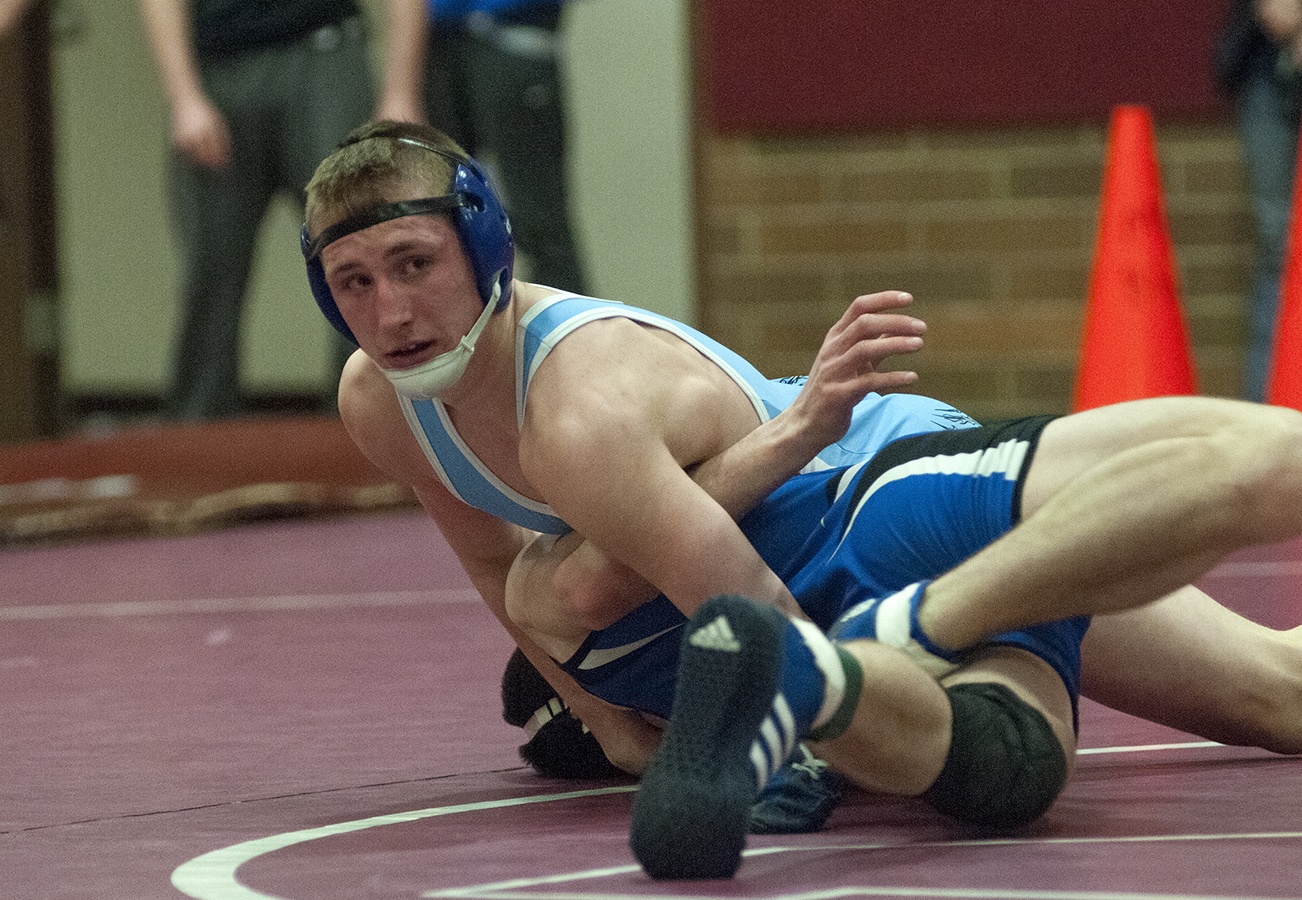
(1025,231)
(916,185)
(834,233)
(1001,279)
(762,188)
(929,282)
(1056,180)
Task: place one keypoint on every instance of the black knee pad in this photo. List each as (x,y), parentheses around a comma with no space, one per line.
(1005,766)
(559,746)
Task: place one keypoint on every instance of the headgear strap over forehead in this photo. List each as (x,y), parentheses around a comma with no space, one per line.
(476,213)
(376,214)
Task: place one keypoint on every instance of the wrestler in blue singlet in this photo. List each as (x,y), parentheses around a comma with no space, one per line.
(833,534)
(916,510)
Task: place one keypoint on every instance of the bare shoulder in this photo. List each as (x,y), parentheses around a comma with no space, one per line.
(374,420)
(616,384)
(608,371)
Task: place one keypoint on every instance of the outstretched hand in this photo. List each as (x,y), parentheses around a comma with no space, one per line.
(849,364)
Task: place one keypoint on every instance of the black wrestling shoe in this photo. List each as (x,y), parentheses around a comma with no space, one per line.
(691,815)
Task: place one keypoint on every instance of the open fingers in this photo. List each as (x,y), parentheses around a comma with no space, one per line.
(873,315)
(883,301)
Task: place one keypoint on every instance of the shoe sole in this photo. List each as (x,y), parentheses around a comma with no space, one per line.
(692,812)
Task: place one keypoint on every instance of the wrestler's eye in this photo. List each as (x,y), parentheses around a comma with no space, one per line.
(354,282)
(416,264)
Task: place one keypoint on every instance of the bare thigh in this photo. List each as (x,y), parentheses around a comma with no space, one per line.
(1074,444)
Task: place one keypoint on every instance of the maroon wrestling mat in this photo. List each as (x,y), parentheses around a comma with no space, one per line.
(309,709)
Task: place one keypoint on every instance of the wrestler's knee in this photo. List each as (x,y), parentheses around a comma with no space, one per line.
(1272,458)
(1005,765)
(516,594)
(532,604)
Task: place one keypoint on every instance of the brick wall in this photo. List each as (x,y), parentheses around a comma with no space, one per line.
(992,232)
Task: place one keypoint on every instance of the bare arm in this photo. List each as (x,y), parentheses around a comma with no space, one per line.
(846,369)
(199,130)
(595,590)
(11,12)
(402,75)
(615,418)
(486,546)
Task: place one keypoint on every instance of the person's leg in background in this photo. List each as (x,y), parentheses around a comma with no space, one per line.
(216,214)
(518,104)
(1268,121)
(326,89)
(447,96)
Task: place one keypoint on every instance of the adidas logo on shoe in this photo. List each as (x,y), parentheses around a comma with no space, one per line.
(716,636)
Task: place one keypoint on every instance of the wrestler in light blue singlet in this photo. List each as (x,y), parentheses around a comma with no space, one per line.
(877,420)
(796,529)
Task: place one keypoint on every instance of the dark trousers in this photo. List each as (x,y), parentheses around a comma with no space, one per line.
(287,108)
(496,89)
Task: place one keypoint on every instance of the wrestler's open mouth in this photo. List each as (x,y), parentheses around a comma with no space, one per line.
(409,354)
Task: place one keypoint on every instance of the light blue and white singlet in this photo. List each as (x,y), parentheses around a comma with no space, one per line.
(877,420)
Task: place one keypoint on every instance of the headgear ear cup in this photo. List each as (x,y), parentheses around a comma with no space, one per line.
(485,232)
(325,300)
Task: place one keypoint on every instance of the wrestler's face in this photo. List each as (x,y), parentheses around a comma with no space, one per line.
(405,288)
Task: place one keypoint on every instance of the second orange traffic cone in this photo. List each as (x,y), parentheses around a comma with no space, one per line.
(1284,382)
(1136,341)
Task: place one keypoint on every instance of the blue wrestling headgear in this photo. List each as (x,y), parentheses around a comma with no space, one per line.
(476,213)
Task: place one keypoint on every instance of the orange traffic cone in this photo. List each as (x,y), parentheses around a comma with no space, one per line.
(1284,383)
(1136,342)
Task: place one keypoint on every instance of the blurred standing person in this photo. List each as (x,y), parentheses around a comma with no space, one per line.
(259,94)
(11,11)
(1259,60)
(494,84)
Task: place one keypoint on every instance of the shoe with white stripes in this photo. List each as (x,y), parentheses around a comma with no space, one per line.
(691,815)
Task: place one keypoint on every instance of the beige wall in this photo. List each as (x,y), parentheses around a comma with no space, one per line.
(991,229)
(628,70)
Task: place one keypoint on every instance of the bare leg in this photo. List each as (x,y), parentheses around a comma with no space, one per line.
(1206,670)
(531,600)
(742,700)
(1124,505)
(545,636)
(899,737)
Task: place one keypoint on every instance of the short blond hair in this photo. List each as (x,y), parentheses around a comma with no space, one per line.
(376,164)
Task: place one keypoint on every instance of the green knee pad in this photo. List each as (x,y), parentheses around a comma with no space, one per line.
(1005,766)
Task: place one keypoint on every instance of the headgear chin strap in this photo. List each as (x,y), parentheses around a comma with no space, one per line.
(476,213)
(435,376)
